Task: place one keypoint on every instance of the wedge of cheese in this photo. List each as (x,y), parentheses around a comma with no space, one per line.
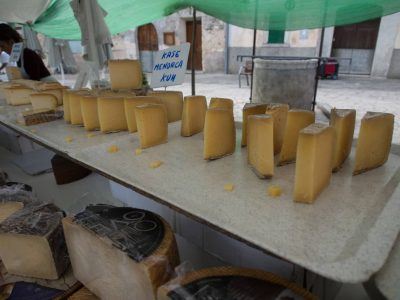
(18,95)
(135,251)
(314,161)
(278,111)
(297,119)
(43,101)
(219,133)
(152,124)
(131,103)
(125,74)
(221,103)
(260,145)
(90,115)
(58,93)
(32,242)
(343,121)
(67,111)
(173,101)
(194,114)
(75,110)
(374,141)
(111,113)
(250,109)
(13,197)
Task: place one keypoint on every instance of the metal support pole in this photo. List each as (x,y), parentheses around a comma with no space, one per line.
(253,53)
(192,52)
(321,44)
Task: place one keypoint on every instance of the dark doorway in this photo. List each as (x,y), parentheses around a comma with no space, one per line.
(198,56)
(148,45)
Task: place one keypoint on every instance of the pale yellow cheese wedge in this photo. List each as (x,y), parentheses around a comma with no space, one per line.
(58,93)
(314,162)
(130,104)
(219,133)
(173,101)
(8,208)
(194,114)
(278,111)
(343,121)
(43,101)
(111,113)
(248,110)
(221,103)
(374,141)
(260,145)
(90,114)
(297,119)
(152,124)
(67,111)
(75,109)
(125,74)
(17,95)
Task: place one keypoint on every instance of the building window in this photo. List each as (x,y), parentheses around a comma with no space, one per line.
(276,37)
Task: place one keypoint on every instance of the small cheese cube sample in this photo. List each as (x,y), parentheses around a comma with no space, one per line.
(68,139)
(222,103)
(111,113)
(67,111)
(193,115)
(75,109)
(17,95)
(278,111)
(219,133)
(155,164)
(314,162)
(125,74)
(248,110)
(173,101)
(138,151)
(297,119)
(112,149)
(229,187)
(274,191)
(260,145)
(90,115)
(343,121)
(32,242)
(152,124)
(374,141)
(130,104)
(43,101)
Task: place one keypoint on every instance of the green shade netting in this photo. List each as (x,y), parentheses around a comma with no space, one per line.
(58,20)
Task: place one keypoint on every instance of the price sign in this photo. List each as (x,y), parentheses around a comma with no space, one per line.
(16,52)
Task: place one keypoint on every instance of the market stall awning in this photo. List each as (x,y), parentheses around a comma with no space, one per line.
(22,11)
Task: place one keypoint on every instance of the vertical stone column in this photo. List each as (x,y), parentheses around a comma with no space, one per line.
(328,40)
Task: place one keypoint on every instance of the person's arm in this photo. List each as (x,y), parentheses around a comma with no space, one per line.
(34,66)
(3,66)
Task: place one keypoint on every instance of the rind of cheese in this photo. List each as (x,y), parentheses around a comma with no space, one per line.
(130,104)
(193,115)
(260,145)
(221,103)
(279,112)
(248,110)
(343,121)
(74,100)
(152,124)
(43,101)
(314,162)
(111,113)
(297,119)
(374,141)
(125,74)
(90,114)
(17,95)
(219,133)
(173,101)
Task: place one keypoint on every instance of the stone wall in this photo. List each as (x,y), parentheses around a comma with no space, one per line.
(213,41)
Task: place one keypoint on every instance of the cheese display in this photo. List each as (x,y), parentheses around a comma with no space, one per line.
(38,116)
(152,124)
(13,73)
(219,133)
(231,283)
(111,113)
(374,141)
(313,162)
(13,197)
(18,95)
(89,111)
(43,101)
(173,101)
(32,242)
(130,105)
(297,119)
(260,145)
(221,103)
(75,110)
(67,112)
(278,111)
(343,121)
(193,115)
(58,93)
(250,109)
(125,74)
(135,251)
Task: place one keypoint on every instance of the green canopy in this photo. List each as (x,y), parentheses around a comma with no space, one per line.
(58,20)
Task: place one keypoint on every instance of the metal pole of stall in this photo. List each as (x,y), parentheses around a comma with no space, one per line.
(192,52)
(253,53)
(321,44)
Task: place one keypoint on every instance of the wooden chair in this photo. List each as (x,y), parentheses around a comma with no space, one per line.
(246,70)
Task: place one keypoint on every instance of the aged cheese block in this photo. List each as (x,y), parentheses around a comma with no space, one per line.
(173,101)
(248,110)
(343,121)
(135,251)
(32,84)
(297,119)
(75,110)
(260,145)
(111,113)
(32,242)
(231,283)
(90,115)
(152,124)
(193,115)
(374,141)
(278,111)
(131,103)
(38,116)
(58,93)
(43,101)
(13,73)
(219,133)
(222,103)
(13,197)
(125,74)
(17,95)
(313,162)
